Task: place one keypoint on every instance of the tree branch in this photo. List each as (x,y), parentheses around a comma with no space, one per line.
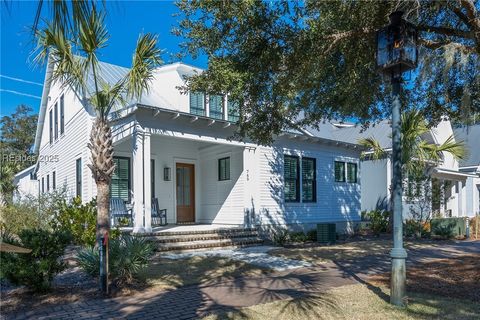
(433,45)
(458,12)
(447,31)
(471,13)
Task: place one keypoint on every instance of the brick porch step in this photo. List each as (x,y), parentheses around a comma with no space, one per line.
(202,244)
(201,239)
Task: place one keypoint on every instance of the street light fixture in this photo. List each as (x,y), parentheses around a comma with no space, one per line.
(397,52)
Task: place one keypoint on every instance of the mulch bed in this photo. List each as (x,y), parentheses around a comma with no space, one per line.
(457,277)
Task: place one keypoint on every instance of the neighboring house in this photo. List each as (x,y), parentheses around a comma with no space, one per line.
(26,183)
(453,183)
(178,148)
(471,136)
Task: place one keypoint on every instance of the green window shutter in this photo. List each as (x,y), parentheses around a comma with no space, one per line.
(309,183)
(291,179)
(197,103)
(216,106)
(352,172)
(339,171)
(233,110)
(120,186)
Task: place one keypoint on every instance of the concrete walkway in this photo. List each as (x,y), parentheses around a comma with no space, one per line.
(254,255)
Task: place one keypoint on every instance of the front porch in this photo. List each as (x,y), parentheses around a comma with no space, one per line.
(199,177)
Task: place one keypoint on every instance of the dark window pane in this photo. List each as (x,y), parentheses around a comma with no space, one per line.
(120,186)
(54,180)
(291,179)
(216,106)
(197,103)
(56,121)
(352,172)
(50,120)
(309,180)
(224,169)
(62,115)
(79,177)
(233,110)
(339,171)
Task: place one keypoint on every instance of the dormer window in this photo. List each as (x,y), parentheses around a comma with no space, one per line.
(197,103)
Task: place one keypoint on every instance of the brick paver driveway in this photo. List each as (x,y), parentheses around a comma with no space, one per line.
(191,302)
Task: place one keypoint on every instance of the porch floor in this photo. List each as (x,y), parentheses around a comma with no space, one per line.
(187,227)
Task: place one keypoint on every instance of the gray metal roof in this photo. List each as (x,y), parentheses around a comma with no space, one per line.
(109,73)
(379,131)
(471,136)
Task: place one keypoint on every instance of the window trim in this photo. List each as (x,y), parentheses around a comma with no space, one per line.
(314,180)
(227,172)
(78,178)
(297,179)
(129,182)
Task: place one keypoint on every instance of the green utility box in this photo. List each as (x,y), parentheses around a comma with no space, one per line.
(326,233)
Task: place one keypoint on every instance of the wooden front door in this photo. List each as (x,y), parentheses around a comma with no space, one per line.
(185,192)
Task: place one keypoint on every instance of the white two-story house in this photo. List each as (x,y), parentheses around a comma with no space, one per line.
(456,184)
(178,148)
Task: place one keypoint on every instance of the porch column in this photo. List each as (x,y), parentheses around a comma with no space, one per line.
(460,198)
(137,166)
(442,198)
(147,182)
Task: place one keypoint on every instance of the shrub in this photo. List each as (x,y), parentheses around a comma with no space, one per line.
(36,269)
(280,236)
(312,235)
(298,236)
(128,255)
(79,220)
(31,212)
(444,231)
(473,227)
(378,221)
(413,228)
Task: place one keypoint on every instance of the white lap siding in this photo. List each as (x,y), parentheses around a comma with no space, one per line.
(336,202)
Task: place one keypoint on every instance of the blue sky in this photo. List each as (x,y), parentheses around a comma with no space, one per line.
(125,21)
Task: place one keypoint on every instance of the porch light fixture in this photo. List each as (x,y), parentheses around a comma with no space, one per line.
(397,53)
(167,174)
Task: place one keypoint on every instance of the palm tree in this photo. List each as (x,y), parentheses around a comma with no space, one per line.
(74,53)
(417,154)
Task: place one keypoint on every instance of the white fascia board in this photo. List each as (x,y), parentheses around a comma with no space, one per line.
(43,106)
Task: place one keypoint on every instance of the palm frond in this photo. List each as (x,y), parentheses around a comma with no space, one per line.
(456,149)
(145,59)
(69,69)
(376,152)
(108,96)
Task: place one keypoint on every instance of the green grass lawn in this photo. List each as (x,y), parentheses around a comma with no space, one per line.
(357,302)
(169,273)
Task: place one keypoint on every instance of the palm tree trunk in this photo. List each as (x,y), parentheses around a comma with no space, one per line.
(101,147)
